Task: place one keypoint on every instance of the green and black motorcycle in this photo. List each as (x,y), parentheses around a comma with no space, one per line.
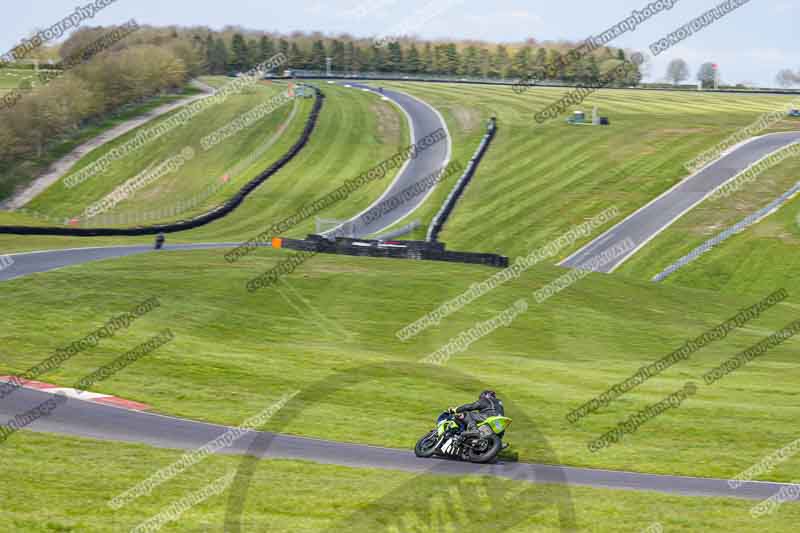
(445,440)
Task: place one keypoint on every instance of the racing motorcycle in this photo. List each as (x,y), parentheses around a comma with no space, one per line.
(446,441)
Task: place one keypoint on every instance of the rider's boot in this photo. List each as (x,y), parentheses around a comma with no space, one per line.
(469,434)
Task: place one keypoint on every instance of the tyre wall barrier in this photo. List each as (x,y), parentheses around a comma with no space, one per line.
(450,203)
(415,250)
(182,225)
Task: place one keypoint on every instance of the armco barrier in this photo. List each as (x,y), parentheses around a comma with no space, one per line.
(416,250)
(388,77)
(201,220)
(737,228)
(450,203)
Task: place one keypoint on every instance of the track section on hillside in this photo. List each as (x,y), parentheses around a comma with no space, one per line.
(645,224)
(423,120)
(26,263)
(90,420)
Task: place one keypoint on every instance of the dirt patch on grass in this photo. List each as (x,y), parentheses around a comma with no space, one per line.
(729,212)
(468,119)
(774,229)
(787,124)
(675,132)
(389,127)
(681,131)
(622,154)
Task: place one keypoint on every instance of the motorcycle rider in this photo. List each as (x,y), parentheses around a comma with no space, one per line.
(487,405)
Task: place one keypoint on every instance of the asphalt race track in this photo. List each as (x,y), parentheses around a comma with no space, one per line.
(83,419)
(423,120)
(31,262)
(646,223)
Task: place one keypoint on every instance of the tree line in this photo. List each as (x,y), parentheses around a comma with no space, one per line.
(678,71)
(708,74)
(237,52)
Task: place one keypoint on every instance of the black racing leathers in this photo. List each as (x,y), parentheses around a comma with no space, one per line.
(485,408)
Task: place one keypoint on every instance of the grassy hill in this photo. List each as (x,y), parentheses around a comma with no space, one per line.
(191,178)
(338,314)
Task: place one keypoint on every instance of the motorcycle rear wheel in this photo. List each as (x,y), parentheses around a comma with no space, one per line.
(426,446)
(488,454)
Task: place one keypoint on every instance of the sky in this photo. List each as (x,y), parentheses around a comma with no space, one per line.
(750,44)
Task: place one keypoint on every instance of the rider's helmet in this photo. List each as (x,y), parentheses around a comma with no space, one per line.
(488,395)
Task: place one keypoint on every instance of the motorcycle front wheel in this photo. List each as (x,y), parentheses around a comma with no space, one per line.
(485,450)
(426,446)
